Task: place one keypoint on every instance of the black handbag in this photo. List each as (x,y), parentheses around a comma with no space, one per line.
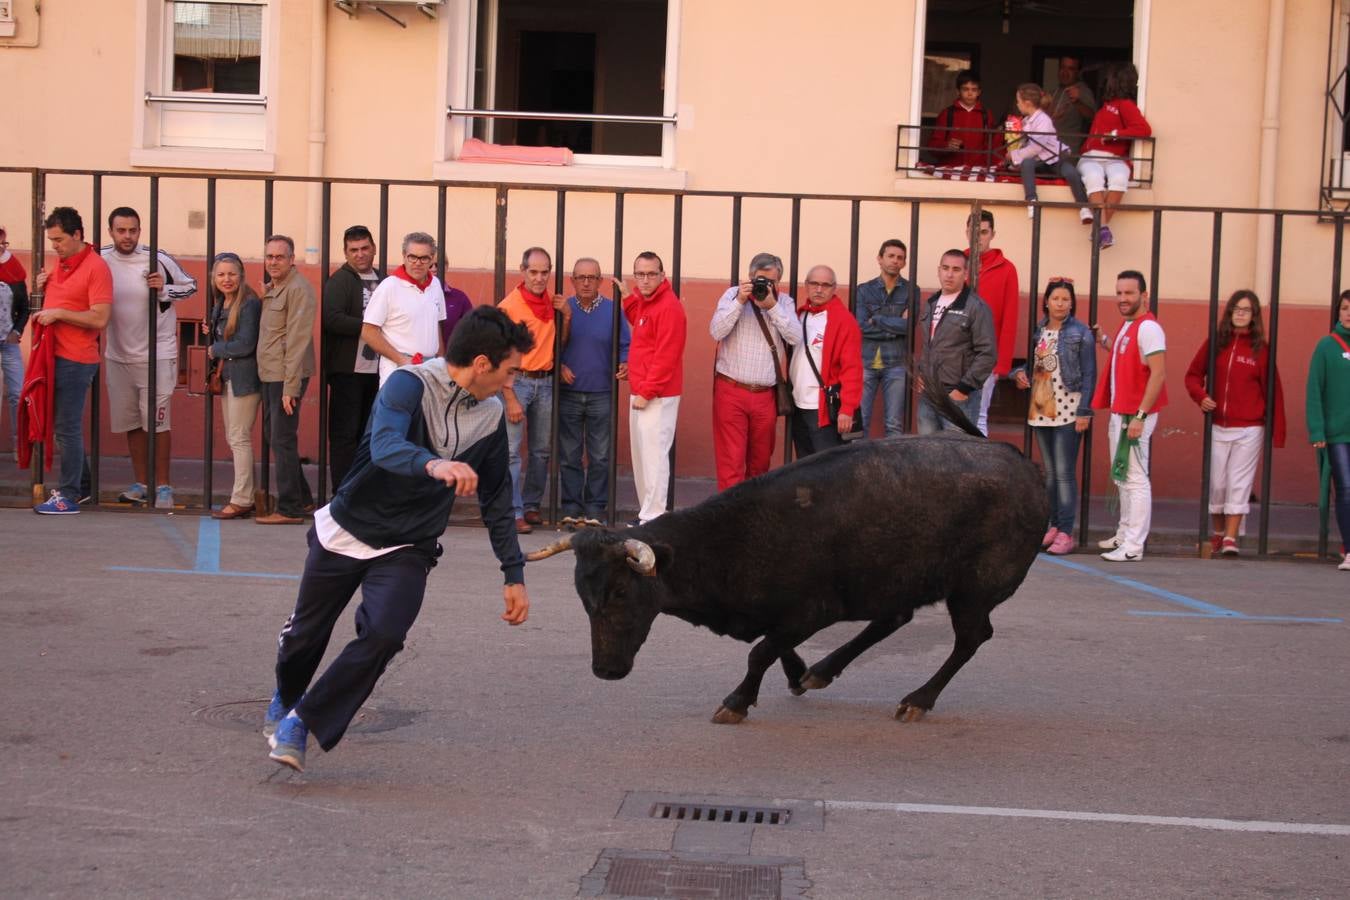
(833,395)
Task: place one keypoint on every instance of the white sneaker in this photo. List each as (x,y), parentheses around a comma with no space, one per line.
(1110,543)
(1120,554)
(1345,564)
(1085,216)
(1031,211)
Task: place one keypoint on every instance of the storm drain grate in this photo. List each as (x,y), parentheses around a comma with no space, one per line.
(733,815)
(648,874)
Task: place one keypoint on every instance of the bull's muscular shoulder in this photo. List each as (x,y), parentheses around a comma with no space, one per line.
(722,620)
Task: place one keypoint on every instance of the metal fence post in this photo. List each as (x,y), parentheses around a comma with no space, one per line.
(209,404)
(95,386)
(152,360)
(1207,448)
(325,261)
(613,499)
(1033,289)
(1272,373)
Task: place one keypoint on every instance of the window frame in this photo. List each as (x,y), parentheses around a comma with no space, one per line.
(457,59)
(155,37)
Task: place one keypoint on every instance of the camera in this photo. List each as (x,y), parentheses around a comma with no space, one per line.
(760,287)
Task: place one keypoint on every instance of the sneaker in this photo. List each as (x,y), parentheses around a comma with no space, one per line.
(1085,216)
(1049,537)
(134,494)
(1229,547)
(1062,545)
(1031,211)
(275,713)
(288,743)
(1345,564)
(1110,543)
(57,505)
(1215,543)
(1120,554)
(164,497)
(1107,239)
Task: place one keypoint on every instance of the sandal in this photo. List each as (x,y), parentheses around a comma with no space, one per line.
(230,511)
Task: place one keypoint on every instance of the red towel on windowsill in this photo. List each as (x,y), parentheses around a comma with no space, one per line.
(478,151)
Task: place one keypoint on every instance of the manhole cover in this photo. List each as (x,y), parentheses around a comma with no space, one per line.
(641,873)
(247,715)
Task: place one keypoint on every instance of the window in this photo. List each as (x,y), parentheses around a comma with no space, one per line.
(204,97)
(6,18)
(584,61)
(1335,194)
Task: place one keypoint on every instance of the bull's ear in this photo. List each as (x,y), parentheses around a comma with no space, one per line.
(665,556)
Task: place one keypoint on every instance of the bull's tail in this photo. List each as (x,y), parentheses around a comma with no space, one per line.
(944,405)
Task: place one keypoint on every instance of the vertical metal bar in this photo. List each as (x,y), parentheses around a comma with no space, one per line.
(1337,257)
(736,239)
(559,247)
(973,239)
(854,227)
(95,386)
(441,260)
(384,227)
(912,338)
(209,406)
(269,197)
(152,361)
(1033,290)
(1207,449)
(677,244)
(325,261)
(613,500)
(1094,272)
(1155,262)
(39,191)
(1272,339)
(670,482)
(794,248)
(499,244)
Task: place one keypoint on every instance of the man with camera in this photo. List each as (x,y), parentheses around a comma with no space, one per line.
(352,365)
(826,370)
(751,324)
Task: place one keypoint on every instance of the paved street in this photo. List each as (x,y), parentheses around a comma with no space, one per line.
(1174,728)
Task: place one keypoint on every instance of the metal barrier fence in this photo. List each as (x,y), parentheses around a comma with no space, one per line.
(918,150)
(855,204)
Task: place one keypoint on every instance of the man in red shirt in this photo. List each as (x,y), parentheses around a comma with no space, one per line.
(656,378)
(998,289)
(78,293)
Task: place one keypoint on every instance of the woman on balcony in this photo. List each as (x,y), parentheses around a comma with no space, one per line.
(1105,164)
(233,328)
(1329,414)
(1237,399)
(1061,376)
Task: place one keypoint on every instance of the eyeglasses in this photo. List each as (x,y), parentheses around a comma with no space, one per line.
(1242,309)
(413,257)
(824,285)
(647,276)
(585,277)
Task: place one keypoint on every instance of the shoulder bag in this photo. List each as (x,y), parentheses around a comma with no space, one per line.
(833,394)
(782,392)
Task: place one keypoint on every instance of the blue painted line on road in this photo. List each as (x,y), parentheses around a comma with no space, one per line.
(175,537)
(199,572)
(208,546)
(1201,609)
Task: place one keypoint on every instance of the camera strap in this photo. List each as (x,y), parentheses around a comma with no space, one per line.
(773,345)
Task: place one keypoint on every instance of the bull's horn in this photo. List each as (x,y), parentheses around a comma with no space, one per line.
(640,556)
(556,547)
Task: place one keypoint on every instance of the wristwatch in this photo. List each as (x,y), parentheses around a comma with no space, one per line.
(1141,415)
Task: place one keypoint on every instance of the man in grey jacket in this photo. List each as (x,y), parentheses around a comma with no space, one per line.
(956,342)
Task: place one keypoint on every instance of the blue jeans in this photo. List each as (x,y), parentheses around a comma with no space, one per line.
(929,422)
(11,366)
(536,396)
(583,421)
(1339,454)
(72,386)
(892,382)
(1059,457)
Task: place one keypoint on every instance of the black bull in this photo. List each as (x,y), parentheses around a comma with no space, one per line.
(867,532)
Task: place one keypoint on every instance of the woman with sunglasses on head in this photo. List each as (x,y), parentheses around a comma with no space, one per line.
(1328,410)
(1061,376)
(233,329)
(1237,399)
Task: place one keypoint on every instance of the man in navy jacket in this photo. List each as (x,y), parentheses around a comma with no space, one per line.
(437,432)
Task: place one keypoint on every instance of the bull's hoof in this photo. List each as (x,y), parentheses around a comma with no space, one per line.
(796,689)
(908,712)
(725,716)
(813,682)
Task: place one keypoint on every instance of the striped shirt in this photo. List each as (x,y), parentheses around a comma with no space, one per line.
(742,353)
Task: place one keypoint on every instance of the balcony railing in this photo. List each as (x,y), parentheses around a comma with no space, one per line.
(922,149)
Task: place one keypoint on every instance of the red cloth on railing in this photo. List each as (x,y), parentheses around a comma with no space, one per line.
(37,403)
(990,174)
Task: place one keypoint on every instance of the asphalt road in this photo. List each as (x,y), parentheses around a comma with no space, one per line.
(1173,728)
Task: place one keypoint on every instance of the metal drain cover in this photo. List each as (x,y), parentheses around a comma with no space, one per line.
(756,812)
(247,715)
(647,874)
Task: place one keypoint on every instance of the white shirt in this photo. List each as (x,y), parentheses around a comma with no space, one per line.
(126,339)
(1151,340)
(409,317)
(369,281)
(336,539)
(805,386)
(940,310)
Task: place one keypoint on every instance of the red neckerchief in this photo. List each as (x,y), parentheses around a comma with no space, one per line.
(540,304)
(11,270)
(824,307)
(401,272)
(66,267)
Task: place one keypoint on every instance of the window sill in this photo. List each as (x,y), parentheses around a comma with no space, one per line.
(652,177)
(185,158)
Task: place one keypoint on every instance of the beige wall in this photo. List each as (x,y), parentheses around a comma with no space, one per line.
(775,97)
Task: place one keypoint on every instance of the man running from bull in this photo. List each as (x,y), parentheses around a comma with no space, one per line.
(436,433)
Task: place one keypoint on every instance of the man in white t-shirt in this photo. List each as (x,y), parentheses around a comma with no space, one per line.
(1132,388)
(127,350)
(402,323)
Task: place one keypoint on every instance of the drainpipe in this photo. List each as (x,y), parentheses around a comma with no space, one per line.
(1270,136)
(318,87)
